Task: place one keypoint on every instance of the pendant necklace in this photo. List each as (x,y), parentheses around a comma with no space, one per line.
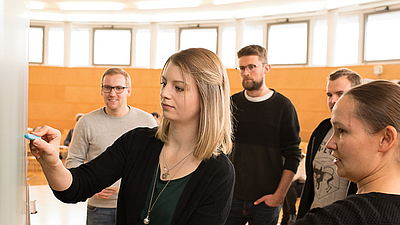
(165,174)
(151,206)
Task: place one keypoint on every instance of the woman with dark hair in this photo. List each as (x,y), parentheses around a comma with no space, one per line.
(366,147)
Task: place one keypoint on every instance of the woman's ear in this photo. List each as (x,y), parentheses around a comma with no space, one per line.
(389,137)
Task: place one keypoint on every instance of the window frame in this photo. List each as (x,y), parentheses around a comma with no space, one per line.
(43,43)
(307,22)
(90,47)
(198,27)
(364,62)
(48,41)
(130,47)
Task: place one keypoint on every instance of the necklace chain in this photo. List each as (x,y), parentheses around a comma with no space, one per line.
(147,219)
(166,169)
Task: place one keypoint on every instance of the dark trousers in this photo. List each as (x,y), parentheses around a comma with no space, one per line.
(289,204)
(244,211)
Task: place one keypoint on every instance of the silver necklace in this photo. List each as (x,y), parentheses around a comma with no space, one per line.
(147,219)
(165,167)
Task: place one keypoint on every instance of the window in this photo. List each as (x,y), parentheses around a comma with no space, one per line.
(80,47)
(112,47)
(253,35)
(56,46)
(36,44)
(382,35)
(320,45)
(165,45)
(199,38)
(228,54)
(142,48)
(347,40)
(287,43)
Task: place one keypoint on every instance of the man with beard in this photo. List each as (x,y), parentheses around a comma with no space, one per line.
(266,151)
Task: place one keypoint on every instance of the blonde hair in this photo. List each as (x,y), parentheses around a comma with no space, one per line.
(114,71)
(215,125)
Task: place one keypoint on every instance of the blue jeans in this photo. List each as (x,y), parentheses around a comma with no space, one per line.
(244,211)
(100,216)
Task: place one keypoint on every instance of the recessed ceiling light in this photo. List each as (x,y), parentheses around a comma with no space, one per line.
(167,4)
(36,5)
(222,2)
(91,6)
(46,16)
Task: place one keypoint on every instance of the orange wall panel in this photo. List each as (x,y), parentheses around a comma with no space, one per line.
(56,94)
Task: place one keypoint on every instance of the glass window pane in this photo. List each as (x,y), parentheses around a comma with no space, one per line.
(36,44)
(253,35)
(56,46)
(287,43)
(320,40)
(199,38)
(382,35)
(347,40)
(112,47)
(165,45)
(142,48)
(80,47)
(228,54)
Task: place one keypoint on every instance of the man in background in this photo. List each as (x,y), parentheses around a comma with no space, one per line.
(266,151)
(323,186)
(71,131)
(98,129)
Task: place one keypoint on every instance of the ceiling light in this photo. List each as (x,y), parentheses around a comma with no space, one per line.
(36,5)
(334,4)
(222,2)
(91,6)
(107,18)
(281,9)
(167,4)
(46,16)
(194,16)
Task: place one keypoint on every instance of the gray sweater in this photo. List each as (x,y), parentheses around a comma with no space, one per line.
(94,132)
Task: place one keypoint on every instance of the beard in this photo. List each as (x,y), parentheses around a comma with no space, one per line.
(252,85)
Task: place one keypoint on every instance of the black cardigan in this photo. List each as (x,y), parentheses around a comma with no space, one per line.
(133,157)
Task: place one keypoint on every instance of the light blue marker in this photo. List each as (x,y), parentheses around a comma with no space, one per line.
(31,136)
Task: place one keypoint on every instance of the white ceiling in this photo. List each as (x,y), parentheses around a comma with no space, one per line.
(206,11)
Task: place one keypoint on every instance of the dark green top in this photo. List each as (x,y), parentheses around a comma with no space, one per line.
(164,208)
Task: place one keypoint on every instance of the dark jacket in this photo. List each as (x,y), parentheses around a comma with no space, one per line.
(133,157)
(307,196)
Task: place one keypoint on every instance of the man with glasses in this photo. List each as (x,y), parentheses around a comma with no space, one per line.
(98,129)
(266,151)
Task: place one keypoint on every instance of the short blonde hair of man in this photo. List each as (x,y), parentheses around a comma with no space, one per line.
(114,71)
(215,125)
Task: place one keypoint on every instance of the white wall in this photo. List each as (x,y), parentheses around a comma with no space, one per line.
(14,27)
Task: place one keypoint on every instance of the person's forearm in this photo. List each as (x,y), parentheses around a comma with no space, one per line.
(284,184)
(58,177)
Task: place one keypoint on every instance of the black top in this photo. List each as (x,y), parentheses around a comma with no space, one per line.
(133,157)
(266,142)
(363,209)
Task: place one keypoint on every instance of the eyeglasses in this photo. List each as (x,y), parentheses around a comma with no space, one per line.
(108,89)
(251,68)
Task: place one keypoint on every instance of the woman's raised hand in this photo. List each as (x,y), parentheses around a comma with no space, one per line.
(46,149)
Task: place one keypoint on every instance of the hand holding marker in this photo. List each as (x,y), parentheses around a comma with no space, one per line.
(31,137)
